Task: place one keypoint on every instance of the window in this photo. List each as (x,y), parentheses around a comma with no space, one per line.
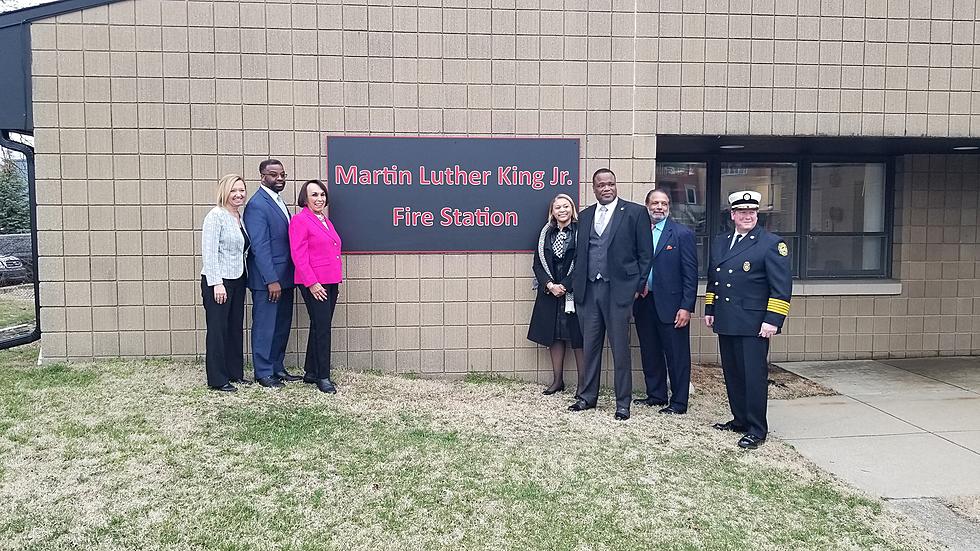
(18,303)
(834,215)
(847,219)
(777,183)
(686,184)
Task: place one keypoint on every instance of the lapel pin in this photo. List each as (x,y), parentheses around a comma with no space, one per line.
(670,247)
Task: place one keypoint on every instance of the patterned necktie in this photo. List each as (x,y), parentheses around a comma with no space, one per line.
(601,222)
(559,245)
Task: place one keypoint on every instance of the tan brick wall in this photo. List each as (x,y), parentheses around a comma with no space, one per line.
(140,106)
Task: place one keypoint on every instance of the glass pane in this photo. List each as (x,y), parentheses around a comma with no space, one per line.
(703,255)
(847,197)
(793,244)
(686,185)
(844,255)
(777,184)
(17,313)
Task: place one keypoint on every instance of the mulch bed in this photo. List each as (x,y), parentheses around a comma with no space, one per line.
(709,380)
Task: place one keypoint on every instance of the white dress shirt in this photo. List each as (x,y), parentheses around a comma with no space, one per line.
(278,199)
(610,210)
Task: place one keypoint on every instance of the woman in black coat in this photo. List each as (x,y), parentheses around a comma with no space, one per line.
(553,320)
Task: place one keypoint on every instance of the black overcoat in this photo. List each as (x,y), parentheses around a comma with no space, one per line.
(547,307)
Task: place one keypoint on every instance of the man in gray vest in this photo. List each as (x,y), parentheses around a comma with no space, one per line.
(614,254)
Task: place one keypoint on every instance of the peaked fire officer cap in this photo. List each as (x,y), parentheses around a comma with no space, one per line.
(745,200)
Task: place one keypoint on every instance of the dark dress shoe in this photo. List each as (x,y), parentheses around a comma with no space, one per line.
(325,385)
(729,426)
(243,381)
(622,414)
(750,442)
(270,382)
(286,377)
(553,389)
(649,402)
(671,410)
(580,406)
(226,388)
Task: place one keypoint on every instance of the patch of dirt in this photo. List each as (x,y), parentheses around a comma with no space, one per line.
(968,506)
(708,379)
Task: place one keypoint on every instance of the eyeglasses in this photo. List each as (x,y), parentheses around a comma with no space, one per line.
(275,175)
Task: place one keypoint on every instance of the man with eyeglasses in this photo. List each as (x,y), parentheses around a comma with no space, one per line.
(270,276)
(745,304)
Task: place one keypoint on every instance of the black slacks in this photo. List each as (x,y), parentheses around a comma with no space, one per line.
(598,317)
(744,361)
(224,356)
(317,364)
(664,350)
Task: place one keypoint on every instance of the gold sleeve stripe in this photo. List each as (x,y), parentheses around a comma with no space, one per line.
(778,306)
(709,298)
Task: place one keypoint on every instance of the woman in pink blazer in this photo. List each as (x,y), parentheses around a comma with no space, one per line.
(315,248)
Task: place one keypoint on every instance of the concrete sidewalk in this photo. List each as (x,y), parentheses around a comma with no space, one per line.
(906,430)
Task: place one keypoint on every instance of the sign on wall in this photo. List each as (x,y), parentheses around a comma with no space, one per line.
(440,194)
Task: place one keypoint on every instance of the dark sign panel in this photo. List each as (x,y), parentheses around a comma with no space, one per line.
(416,194)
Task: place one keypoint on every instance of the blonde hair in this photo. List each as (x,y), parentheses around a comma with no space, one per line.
(224,188)
(551,208)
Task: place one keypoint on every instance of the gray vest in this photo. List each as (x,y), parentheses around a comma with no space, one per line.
(598,248)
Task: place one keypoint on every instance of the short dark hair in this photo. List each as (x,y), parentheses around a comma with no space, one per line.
(267,162)
(602,170)
(301,199)
(656,190)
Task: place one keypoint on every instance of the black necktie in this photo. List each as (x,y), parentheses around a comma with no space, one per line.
(738,237)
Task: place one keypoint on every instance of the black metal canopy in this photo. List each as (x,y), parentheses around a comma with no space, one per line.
(16,112)
(674,145)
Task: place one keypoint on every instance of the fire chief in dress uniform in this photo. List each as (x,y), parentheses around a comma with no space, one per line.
(746,302)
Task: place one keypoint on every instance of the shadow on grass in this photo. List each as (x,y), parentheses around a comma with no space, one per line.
(304,426)
(18,357)
(272,473)
(51,376)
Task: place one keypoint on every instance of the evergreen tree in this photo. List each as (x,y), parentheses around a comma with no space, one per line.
(15,215)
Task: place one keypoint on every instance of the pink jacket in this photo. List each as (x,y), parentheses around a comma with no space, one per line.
(315,249)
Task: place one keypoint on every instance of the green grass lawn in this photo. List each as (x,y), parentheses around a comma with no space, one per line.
(15,311)
(140,455)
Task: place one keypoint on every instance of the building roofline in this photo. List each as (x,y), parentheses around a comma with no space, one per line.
(17,109)
(51,9)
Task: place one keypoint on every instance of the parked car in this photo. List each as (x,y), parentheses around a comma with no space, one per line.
(13,271)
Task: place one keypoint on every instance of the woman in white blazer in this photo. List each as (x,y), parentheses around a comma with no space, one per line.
(224,244)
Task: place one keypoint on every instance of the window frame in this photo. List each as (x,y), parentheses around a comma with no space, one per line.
(804,164)
(28,152)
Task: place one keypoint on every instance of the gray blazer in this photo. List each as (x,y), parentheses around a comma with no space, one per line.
(222,247)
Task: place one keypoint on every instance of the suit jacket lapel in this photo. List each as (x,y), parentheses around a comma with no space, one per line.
(746,242)
(316,222)
(664,236)
(617,217)
(275,206)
